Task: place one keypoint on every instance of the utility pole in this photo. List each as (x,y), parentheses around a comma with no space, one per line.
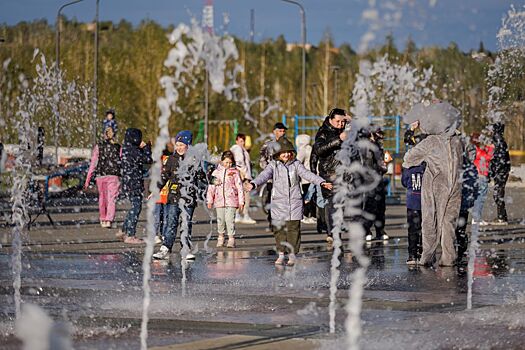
(252,25)
(303,39)
(95,79)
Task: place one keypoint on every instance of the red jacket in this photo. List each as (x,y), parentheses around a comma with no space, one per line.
(483,157)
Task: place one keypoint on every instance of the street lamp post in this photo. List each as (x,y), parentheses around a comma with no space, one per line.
(95,78)
(303,39)
(57,39)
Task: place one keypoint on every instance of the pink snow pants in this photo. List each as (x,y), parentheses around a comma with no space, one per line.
(108,188)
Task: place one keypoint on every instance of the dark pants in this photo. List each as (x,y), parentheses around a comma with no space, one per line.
(500,181)
(380,196)
(461,234)
(329,211)
(173,217)
(414,233)
(308,208)
(268,203)
(289,232)
(321,221)
(132,217)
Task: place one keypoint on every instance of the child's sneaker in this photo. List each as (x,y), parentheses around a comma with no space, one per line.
(291,260)
(280,259)
(411,261)
(231,242)
(162,254)
(368,237)
(220,241)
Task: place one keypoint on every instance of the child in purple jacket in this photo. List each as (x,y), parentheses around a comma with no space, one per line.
(286,173)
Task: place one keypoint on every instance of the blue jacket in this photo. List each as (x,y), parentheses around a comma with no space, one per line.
(412,179)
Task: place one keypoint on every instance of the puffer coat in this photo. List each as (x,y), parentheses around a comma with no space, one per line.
(327,145)
(227,191)
(286,197)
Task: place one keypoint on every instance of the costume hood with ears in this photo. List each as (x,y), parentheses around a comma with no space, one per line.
(436,118)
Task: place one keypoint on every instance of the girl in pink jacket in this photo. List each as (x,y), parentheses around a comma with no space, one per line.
(226,194)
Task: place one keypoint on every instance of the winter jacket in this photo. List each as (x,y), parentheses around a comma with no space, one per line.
(411,179)
(242,161)
(105,160)
(133,160)
(226,188)
(266,151)
(304,151)
(327,145)
(286,197)
(483,158)
(107,123)
(469,184)
(183,177)
(500,163)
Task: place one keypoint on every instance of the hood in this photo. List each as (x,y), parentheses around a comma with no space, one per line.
(133,136)
(439,118)
(302,140)
(282,145)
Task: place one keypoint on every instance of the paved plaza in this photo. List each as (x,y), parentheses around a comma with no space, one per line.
(238,299)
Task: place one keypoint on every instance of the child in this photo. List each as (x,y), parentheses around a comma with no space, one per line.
(226,194)
(135,154)
(109,121)
(412,179)
(287,201)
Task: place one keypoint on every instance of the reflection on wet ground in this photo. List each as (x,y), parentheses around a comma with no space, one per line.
(241,287)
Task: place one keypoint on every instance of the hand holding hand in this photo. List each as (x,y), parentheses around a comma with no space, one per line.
(327,185)
(210,205)
(248,186)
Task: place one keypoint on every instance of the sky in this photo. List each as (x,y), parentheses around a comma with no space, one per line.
(427,22)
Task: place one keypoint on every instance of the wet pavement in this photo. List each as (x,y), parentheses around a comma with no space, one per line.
(237,298)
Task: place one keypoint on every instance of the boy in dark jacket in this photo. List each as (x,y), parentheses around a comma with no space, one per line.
(412,179)
(135,154)
(499,171)
(182,175)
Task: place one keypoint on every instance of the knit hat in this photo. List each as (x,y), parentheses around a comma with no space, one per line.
(185,137)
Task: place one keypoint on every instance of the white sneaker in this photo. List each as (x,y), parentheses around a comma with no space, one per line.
(162,254)
(248,220)
(368,238)
(158,239)
(190,256)
(238,218)
(385,237)
(480,223)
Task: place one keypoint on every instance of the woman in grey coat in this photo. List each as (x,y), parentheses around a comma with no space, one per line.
(286,173)
(442,151)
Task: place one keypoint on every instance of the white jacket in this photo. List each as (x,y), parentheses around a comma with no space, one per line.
(242,161)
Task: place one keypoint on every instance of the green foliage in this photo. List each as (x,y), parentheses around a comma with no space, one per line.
(131,62)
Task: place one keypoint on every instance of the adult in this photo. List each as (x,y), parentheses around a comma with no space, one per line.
(499,171)
(266,156)
(442,151)
(304,152)
(135,154)
(242,162)
(483,157)
(106,164)
(328,142)
(182,173)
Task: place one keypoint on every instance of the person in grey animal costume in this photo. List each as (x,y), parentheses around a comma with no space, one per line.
(442,151)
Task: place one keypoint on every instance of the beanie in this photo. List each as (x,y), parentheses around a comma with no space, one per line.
(185,137)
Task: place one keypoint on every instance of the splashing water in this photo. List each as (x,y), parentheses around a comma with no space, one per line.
(192,48)
(387,89)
